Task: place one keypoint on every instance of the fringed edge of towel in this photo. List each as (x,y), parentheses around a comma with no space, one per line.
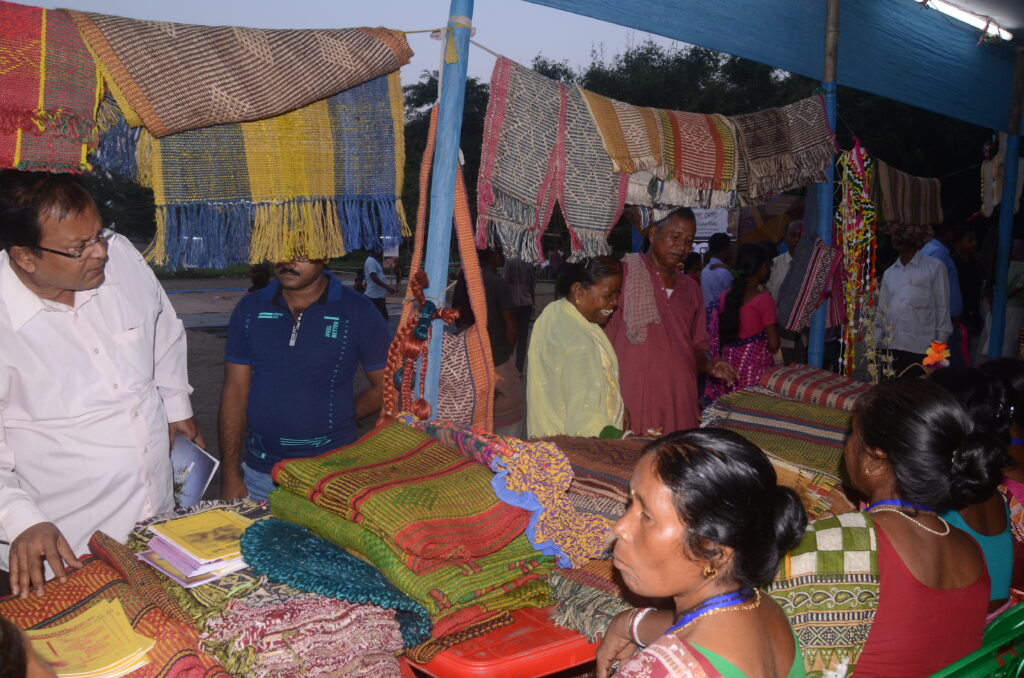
(119,143)
(206,235)
(54,122)
(493,121)
(516,241)
(584,609)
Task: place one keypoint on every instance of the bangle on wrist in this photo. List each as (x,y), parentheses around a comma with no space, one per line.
(634,624)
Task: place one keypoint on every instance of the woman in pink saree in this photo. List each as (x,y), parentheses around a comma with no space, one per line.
(741,323)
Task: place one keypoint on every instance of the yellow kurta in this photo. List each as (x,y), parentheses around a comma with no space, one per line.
(572,384)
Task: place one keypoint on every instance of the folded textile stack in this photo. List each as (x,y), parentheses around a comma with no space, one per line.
(253,625)
(426,517)
(535,476)
(601,467)
(804,442)
(814,386)
(176,652)
(50,91)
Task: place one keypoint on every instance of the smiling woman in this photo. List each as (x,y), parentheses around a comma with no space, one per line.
(572,374)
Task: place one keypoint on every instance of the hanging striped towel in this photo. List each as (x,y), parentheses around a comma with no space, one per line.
(907,200)
(318,181)
(49,91)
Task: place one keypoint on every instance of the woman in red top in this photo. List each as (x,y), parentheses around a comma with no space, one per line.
(912,453)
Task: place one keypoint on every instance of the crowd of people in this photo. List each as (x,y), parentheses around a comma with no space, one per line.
(94,387)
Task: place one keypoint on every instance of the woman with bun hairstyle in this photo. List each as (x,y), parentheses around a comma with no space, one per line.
(988,403)
(895,590)
(706,526)
(572,377)
(1011,372)
(742,328)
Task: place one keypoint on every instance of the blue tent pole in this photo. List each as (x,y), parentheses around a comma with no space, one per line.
(822,193)
(442,184)
(1002,263)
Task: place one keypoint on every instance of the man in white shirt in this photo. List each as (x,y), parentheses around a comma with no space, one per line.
(716,276)
(93,380)
(377,289)
(913,304)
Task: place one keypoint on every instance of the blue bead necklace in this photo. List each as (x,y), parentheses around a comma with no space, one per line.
(901,503)
(716,604)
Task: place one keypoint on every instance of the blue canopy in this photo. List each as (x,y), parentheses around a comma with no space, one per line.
(894,48)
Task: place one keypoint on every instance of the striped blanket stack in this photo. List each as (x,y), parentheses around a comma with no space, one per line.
(426,517)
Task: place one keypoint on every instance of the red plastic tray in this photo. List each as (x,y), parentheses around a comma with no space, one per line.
(530,646)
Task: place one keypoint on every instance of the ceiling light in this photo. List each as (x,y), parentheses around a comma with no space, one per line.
(979,21)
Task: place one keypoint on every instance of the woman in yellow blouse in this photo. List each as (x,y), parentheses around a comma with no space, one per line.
(572,377)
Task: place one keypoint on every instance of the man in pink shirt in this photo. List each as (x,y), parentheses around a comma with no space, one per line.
(93,380)
(659,332)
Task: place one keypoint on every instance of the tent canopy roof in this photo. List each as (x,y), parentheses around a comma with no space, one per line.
(893,48)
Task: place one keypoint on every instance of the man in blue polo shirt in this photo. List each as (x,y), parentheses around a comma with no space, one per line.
(292,353)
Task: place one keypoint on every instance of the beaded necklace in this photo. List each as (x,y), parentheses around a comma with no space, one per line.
(716,604)
(897,506)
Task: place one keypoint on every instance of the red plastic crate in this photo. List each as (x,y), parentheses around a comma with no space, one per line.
(530,646)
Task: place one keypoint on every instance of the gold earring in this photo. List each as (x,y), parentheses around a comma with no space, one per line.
(709,572)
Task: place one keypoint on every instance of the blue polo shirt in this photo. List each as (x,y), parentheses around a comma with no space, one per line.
(301,399)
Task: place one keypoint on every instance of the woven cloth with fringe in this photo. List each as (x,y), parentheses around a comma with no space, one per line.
(176,653)
(533,475)
(802,434)
(697,150)
(541,146)
(375,481)
(318,181)
(464,599)
(152,68)
(907,200)
(51,90)
(783,148)
(250,623)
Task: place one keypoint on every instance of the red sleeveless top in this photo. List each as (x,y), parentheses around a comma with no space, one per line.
(919,629)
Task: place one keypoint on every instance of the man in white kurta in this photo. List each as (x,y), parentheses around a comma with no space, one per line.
(92,370)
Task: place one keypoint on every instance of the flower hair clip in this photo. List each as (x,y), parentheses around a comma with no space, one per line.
(937,355)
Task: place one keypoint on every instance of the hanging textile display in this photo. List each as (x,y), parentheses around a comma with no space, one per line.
(855,234)
(318,181)
(698,151)
(591,195)
(783,148)
(907,200)
(992,169)
(153,67)
(51,90)
(540,145)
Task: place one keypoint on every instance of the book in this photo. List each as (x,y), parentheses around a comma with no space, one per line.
(152,558)
(193,468)
(99,643)
(204,537)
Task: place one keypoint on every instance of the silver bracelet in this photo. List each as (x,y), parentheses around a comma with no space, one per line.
(634,624)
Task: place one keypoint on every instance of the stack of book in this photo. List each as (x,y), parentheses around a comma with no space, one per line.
(99,643)
(197,549)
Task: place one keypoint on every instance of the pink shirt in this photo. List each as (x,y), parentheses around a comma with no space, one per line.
(755,315)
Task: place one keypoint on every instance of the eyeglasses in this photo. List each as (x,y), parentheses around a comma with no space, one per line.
(102,238)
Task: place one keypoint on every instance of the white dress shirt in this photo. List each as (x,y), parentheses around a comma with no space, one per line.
(780,267)
(914,305)
(85,396)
